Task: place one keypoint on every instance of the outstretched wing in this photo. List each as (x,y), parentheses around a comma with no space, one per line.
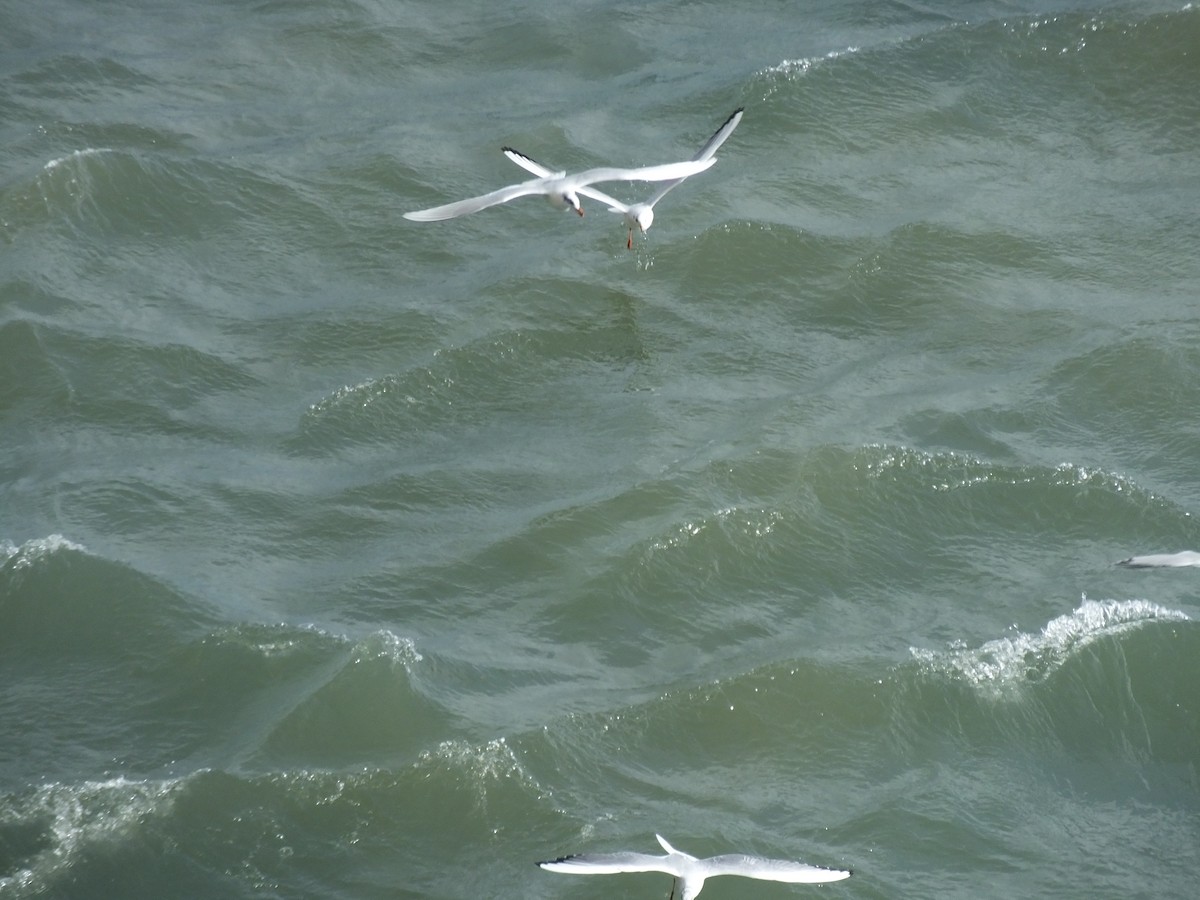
(607,863)
(474,204)
(706,152)
(1156,560)
(529,165)
(720,135)
(666,172)
(771,869)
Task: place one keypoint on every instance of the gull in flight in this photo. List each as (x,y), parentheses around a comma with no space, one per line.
(562,189)
(1162,560)
(639,215)
(692,871)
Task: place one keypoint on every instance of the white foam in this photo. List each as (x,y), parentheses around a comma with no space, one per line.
(792,68)
(484,765)
(77,154)
(78,816)
(32,552)
(390,647)
(1031,657)
(363,394)
(750,522)
(283,639)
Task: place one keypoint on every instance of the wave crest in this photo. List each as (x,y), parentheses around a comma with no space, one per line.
(1032,657)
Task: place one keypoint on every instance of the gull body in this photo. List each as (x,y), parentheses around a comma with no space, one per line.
(561,189)
(691,871)
(637,215)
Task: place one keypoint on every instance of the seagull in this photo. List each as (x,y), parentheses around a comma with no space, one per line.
(1162,560)
(692,871)
(639,215)
(562,189)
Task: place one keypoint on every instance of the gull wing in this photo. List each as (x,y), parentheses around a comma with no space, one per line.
(529,165)
(614,204)
(771,869)
(706,152)
(474,204)
(721,134)
(667,172)
(607,863)
(662,842)
(1156,560)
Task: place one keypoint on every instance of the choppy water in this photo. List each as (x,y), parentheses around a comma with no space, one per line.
(342,556)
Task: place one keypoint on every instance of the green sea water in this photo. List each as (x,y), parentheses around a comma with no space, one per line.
(346,556)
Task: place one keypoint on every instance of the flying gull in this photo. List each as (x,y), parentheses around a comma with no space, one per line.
(561,189)
(692,871)
(639,215)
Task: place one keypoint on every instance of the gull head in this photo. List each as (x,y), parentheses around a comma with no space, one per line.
(641,215)
(566,200)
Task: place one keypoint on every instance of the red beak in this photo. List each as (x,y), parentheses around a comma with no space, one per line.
(579,210)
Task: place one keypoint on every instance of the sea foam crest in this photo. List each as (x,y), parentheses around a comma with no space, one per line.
(736,521)
(951,470)
(388,647)
(1031,657)
(32,552)
(75,155)
(482,767)
(359,395)
(78,816)
(791,68)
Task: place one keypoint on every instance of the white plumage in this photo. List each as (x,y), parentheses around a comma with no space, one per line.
(637,215)
(561,189)
(691,871)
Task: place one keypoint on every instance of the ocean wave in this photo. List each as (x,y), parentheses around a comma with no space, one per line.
(794,68)
(482,762)
(47,831)
(361,704)
(75,155)
(32,552)
(1012,661)
(281,640)
(214,832)
(58,599)
(950,470)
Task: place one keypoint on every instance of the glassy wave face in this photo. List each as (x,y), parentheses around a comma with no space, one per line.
(343,556)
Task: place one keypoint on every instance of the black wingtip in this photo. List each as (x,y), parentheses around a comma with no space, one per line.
(512,151)
(560,859)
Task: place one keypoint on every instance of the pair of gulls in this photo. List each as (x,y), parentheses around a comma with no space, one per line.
(563,190)
(692,871)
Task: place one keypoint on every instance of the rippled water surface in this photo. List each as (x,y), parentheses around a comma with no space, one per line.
(344,556)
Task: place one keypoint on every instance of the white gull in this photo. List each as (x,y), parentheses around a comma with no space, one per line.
(639,215)
(692,871)
(561,189)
